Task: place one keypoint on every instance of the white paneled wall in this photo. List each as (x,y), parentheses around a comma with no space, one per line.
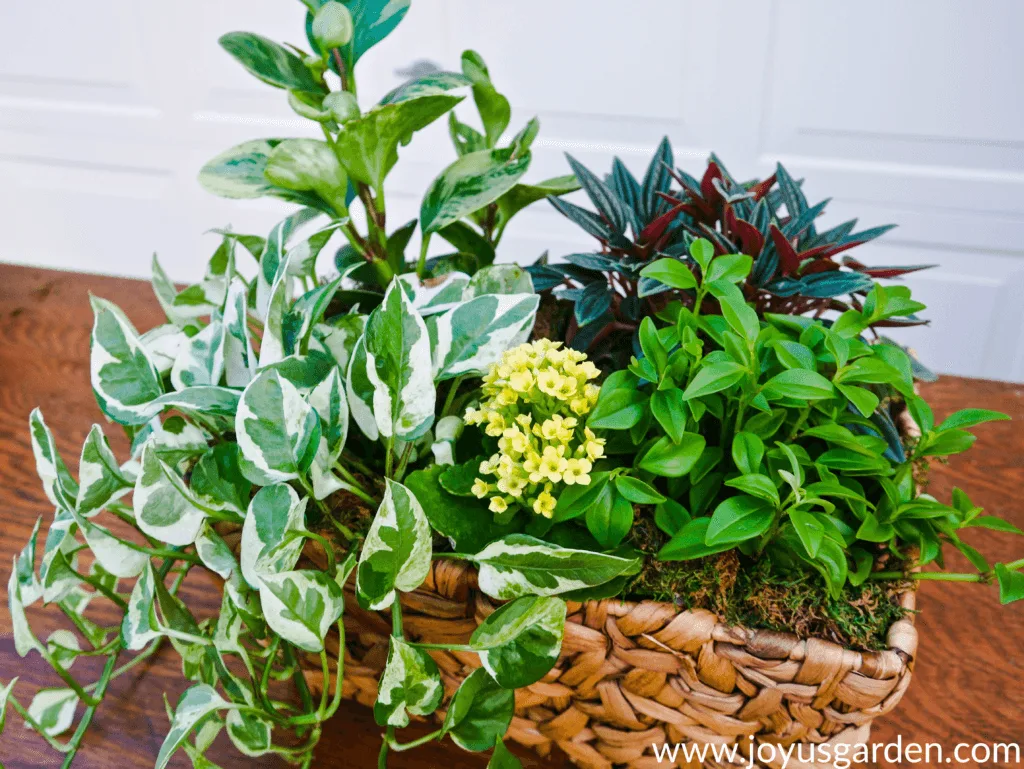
(910,113)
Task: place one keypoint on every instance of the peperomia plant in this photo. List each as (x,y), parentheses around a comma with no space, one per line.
(469,204)
(795,268)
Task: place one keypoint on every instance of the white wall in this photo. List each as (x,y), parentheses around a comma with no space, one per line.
(901,112)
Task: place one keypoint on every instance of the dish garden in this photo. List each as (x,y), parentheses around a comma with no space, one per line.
(670,490)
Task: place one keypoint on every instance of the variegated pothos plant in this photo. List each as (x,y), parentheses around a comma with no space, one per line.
(239,411)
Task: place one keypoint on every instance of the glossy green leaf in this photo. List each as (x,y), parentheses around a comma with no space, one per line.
(480,712)
(798,384)
(689,542)
(270,62)
(713,378)
(470,183)
(165,508)
(520,642)
(671,273)
(738,519)
(637,491)
(673,460)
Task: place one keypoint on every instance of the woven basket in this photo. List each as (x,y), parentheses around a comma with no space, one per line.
(632,675)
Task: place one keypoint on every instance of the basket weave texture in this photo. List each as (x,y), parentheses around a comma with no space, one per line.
(632,675)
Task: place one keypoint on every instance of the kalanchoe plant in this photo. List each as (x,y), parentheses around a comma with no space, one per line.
(795,270)
(469,204)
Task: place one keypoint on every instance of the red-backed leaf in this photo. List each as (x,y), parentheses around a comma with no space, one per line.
(707,187)
(761,188)
(789,259)
(821,265)
(657,228)
(750,238)
(883,272)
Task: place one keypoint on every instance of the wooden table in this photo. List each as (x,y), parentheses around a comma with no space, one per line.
(969,685)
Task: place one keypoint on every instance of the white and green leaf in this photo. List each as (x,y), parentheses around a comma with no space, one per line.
(360,391)
(331,406)
(520,642)
(301,606)
(200,361)
(54,710)
(272,534)
(195,704)
(473,335)
(165,508)
(101,478)
(410,683)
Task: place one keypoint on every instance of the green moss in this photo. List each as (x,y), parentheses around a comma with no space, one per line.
(754,594)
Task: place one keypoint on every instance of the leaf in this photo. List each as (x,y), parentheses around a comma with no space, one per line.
(397,551)
(741,318)
(520,565)
(24,640)
(946,443)
(593,302)
(410,683)
(277,431)
(738,519)
(970,418)
(689,543)
(479,713)
(810,530)
(473,335)
(673,460)
(272,534)
(309,165)
(360,391)
(249,733)
(502,758)
(729,267)
(58,484)
(523,195)
(165,508)
(713,378)
(520,642)
(756,485)
(1011,584)
(576,500)
(373,20)
(239,173)
(499,279)
(124,377)
(427,85)
(330,404)
(609,519)
(871,530)
(798,384)
(272,63)
(195,704)
(747,452)
(670,272)
(24,571)
(460,518)
(368,145)
(617,409)
(470,183)
(794,355)
(435,295)
(201,359)
(995,524)
(495,111)
(612,210)
(399,367)
(54,710)
(669,408)
(637,491)
(301,606)
(115,555)
(863,400)
(5,693)
(101,478)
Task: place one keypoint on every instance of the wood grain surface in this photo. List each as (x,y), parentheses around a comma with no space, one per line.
(968,685)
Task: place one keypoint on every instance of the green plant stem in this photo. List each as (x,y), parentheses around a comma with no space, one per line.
(83,725)
(299,678)
(37,727)
(1014,565)
(103,589)
(332,562)
(67,678)
(930,575)
(421,265)
(354,486)
(445,410)
(398,747)
(403,462)
(358,465)
(389,456)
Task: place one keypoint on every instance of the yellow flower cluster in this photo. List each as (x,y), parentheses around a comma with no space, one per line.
(535,401)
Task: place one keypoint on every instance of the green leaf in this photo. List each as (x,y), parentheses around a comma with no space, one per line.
(610,520)
(863,399)
(729,267)
(810,530)
(738,314)
(410,683)
(713,378)
(54,710)
(24,640)
(217,477)
(871,530)
(637,491)
(495,111)
(397,551)
(123,376)
(671,273)
(277,431)
(399,367)
(669,408)
(58,484)
(689,543)
(523,195)
(798,384)
(308,165)
(946,443)
(249,733)
(463,519)
(747,452)
(426,85)
(473,335)
(480,712)
(617,409)
(470,183)
(330,404)
(738,519)
(502,758)
(360,391)
(301,606)
(499,279)
(994,524)
(373,20)
(671,517)
(5,693)
(520,642)
(577,500)
(970,418)
(520,565)
(756,485)
(670,459)
(195,704)
(240,173)
(1011,584)
(794,355)
(120,558)
(272,534)
(272,63)
(165,508)
(368,145)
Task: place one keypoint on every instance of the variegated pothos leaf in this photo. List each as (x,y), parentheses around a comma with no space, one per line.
(272,534)
(410,683)
(472,336)
(301,606)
